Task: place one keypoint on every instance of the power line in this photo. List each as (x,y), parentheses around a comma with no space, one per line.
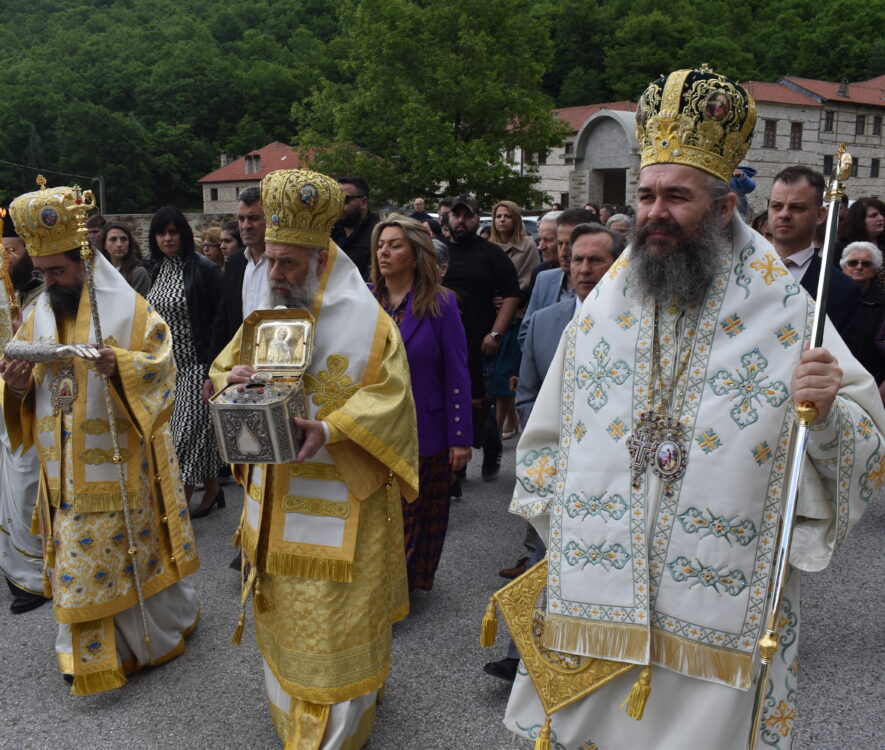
(50,171)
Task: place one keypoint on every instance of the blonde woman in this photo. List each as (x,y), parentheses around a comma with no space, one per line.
(406,282)
(509,233)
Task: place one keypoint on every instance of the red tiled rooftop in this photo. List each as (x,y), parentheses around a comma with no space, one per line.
(862,92)
(575,117)
(273,156)
(777,92)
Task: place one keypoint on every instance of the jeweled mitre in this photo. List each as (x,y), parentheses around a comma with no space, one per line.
(698,118)
(52,220)
(301,207)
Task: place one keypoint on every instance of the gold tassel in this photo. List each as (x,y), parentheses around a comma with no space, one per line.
(489,625)
(543,741)
(47,584)
(635,702)
(261,600)
(98,682)
(237,637)
(238,536)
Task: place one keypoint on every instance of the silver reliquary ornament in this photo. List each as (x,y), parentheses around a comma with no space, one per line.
(254,421)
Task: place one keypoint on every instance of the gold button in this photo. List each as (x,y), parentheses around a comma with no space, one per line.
(165,519)
(171,558)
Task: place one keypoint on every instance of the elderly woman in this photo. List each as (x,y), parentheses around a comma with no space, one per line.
(509,233)
(121,249)
(406,281)
(185,291)
(861,261)
(210,246)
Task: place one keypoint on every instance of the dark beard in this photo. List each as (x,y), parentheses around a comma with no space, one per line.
(684,274)
(65,301)
(350,220)
(460,235)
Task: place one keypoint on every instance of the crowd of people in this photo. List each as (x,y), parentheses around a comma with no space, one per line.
(432,341)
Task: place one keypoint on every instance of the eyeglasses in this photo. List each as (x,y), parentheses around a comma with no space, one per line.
(862,263)
(349,198)
(211,244)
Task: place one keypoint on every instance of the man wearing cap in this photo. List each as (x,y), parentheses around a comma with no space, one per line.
(679,374)
(478,272)
(21,553)
(117,539)
(323,535)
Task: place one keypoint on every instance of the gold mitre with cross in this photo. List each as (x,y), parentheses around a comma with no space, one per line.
(698,118)
(301,207)
(52,220)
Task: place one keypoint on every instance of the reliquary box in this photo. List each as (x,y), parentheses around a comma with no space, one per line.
(254,421)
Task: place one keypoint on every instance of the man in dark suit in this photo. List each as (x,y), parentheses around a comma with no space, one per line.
(353,231)
(795,210)
(245,275)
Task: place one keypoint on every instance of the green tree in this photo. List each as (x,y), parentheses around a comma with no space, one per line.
(432,96)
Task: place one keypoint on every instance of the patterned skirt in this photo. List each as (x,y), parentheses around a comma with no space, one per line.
(426,519)
(191,425)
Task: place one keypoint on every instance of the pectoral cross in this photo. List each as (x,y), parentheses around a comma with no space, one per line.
(642,444)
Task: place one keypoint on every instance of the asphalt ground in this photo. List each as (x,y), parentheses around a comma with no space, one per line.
(437,695)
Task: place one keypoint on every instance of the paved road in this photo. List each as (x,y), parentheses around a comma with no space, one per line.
(437,697)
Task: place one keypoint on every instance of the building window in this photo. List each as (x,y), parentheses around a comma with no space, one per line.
(796,136)
(855,166)
(877,125)
(236,192)
(769,136)
(509,154)
(563,200)
(874,168)
(213,194)
(828,166)
(541,158)
(860,124)
(829,117)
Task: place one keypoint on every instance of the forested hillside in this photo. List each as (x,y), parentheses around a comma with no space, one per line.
(413,93)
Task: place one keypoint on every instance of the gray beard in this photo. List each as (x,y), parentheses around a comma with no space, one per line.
(295,296)
(682,275)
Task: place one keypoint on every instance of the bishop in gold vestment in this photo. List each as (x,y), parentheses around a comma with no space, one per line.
(323,536)
(92,546)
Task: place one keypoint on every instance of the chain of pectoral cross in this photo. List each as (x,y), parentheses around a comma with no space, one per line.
(652,430)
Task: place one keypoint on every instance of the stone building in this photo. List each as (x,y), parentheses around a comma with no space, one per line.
(222,187)
(799,121)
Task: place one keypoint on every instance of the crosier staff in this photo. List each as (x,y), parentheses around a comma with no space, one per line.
(806,413)
(87,254)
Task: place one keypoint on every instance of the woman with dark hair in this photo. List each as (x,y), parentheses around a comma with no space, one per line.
(760,224)
(121,249)
(864,222)
(230,239)
(406,281)
(185,291)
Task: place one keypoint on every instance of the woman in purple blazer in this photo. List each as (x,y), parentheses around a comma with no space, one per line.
(406,281)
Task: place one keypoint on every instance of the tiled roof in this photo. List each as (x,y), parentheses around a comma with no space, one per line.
(862,92)
(577,116)
(778,93)
(273,156)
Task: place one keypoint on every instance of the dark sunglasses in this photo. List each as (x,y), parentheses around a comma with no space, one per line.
(349,198)
(862,263)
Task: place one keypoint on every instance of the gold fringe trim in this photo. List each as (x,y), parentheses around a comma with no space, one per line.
(701,660)
(98,682)
(489,625)
(635,702)
(104,502)
(599,639)
(238,536)
(317,568)
(543,740)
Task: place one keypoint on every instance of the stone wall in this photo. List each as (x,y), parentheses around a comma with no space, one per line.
(139,223)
